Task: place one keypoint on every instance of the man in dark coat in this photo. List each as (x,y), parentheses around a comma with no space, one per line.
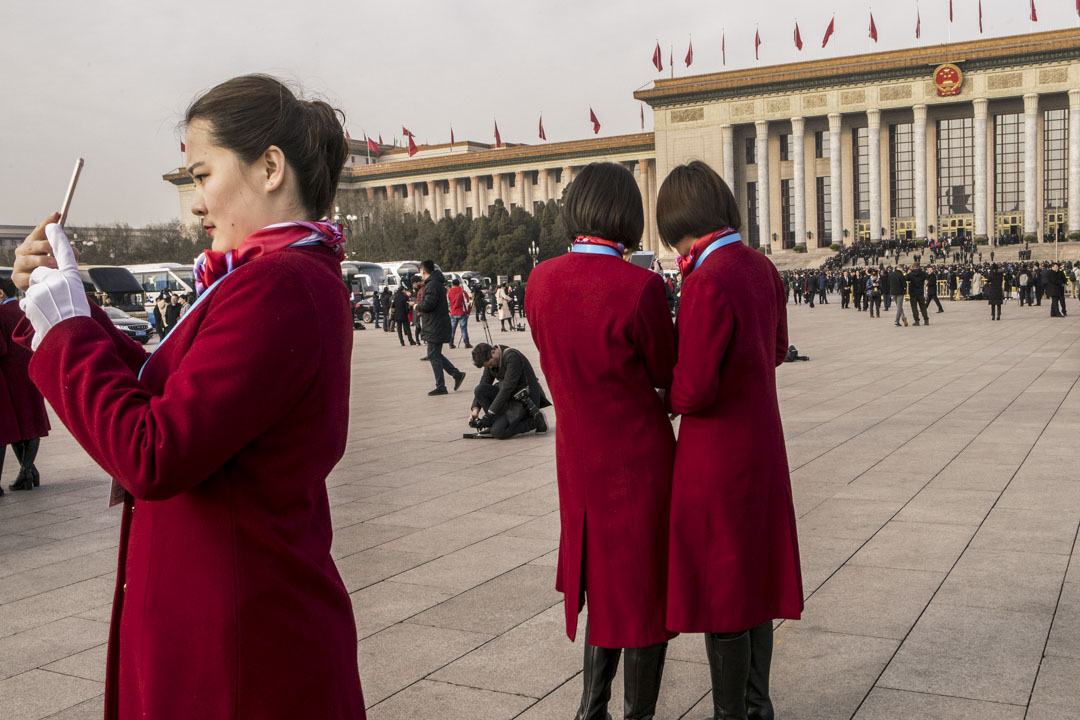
(1055,290)
(435,313)
(1040,283)
(916,280)
(384,300)
(400,303)
(897,285)
(931,289)
(506,415)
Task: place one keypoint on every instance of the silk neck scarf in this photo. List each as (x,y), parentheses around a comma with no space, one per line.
(589,240)
(701,247)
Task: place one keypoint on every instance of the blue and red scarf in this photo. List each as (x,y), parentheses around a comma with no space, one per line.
(212,265)
(590,240)
(690,261)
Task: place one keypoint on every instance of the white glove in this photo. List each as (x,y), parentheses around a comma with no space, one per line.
(55,295)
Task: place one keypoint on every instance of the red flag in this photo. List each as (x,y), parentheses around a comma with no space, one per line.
(918,23)
(451,134)
(183,147)
(594,121)
(798,37)
(643,108)
(543,136)
(671,61)
(373,147)
(757,44)
(405,131)
(657,61)
(690,53)
(828,32)
(1078,7)
(380,138)
(1034,17)
(412,145)
(498,138)
(980,17)
(347,136)
(950,9)
(873,28)
(723,45)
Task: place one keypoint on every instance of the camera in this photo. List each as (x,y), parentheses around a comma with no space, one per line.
(522,396)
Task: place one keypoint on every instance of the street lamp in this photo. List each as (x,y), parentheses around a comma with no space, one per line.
(534,252)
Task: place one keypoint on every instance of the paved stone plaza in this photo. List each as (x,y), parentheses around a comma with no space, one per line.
(935,480)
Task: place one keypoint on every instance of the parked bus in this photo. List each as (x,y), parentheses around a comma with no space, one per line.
(163,277)
(112,286)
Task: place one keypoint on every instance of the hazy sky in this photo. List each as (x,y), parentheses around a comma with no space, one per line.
(109,79)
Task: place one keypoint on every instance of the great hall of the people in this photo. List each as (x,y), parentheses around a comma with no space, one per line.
(975,139)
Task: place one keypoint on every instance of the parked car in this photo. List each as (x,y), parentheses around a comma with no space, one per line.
(138,330)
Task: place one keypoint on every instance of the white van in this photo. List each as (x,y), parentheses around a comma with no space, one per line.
(399,270)
(163,277)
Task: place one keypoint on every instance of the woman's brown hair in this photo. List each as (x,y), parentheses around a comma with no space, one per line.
(250,113)
(604,201)
(694,201)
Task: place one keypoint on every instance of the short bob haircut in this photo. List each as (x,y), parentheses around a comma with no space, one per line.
(604,201)
(694,201)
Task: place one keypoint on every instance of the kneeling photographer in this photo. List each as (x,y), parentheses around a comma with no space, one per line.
(513,406)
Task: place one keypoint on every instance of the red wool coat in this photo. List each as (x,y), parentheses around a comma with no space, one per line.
(227,602)
(734,548)
(606,339)
(22,409)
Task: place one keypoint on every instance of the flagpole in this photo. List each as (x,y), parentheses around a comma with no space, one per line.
(948,31)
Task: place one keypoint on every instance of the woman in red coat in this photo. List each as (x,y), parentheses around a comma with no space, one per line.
(734,553)
(606,340)
(23,420)
(227,604)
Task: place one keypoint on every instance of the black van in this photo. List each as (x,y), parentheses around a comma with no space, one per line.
(111,286)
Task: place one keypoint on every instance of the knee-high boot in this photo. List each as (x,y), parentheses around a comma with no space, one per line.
(758,704)
(643,668)
(24,480)
(729,666)
(599,670)
(30,451)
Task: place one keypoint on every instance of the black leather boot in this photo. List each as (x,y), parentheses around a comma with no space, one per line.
(599,670)
(729,666)
(643,668)
(30,451)
(758,704)
(24,480)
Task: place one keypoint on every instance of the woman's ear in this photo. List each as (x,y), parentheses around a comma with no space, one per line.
(273,166)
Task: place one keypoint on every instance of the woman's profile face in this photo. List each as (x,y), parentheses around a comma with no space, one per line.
(228,197)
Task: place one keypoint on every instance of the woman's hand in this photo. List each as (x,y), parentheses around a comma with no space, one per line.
(32,253)
(55,295)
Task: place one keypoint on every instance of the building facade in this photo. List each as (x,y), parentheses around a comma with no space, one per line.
(968,139)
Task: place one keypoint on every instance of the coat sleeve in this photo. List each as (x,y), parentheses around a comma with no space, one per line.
(237,378)
(130,352)
(509,384)
(706,324)
(781,326)
(429,299)
(654,333)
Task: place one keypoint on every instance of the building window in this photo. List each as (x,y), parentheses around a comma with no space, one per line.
(821,144)
(558,175)
(751,151)
(424,189)
(468,212)
(513,179)
(534,175)
(468,184)
(787,214)
(785,147)
(824,211)
(1056,160)
(404,191)
(445,187)
(860,148)
(902,170)
(490,182)
(1008,162)
(956,166)
(753,236)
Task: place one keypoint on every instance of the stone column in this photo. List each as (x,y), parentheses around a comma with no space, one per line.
(502,183)
(873,132)
(920,172)
(519,185)
(1031,152)
(836,185)
(478,205)
(1074,161)
(727,136)
(646,202)
(452,199)
(981,185)
(567,178)
(433,199)
(544,187)
(798,147)
(764,219)
(416,195)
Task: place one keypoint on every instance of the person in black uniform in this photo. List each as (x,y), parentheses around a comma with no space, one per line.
(993,290)
(401,315)
(845,291)
(1055,290)
(897,286)
(916,280)
(931,289)
(385,300)
(873,293)
(505,414)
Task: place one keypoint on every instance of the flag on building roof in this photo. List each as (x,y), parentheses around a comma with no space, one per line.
(594,121)
(543,135)
(829,32)
(657,60)
(380,138)
(690,53)
(451,135)
(1034,16)
(183,147)
(918,23)
(950,9)
(980,17)
(873,28)
(798,37)
(347,136)
(405,131)
(671,61)
(643,109)
(498,138)
(412,146)
(757,43)
(723,46)
(373,147)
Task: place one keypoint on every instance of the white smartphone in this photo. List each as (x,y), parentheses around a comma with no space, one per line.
(70,190)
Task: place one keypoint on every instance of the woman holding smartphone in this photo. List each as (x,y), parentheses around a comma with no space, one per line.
(227,602)
(606,340)
(734,554)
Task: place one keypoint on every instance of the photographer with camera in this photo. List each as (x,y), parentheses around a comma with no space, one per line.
(513,405)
